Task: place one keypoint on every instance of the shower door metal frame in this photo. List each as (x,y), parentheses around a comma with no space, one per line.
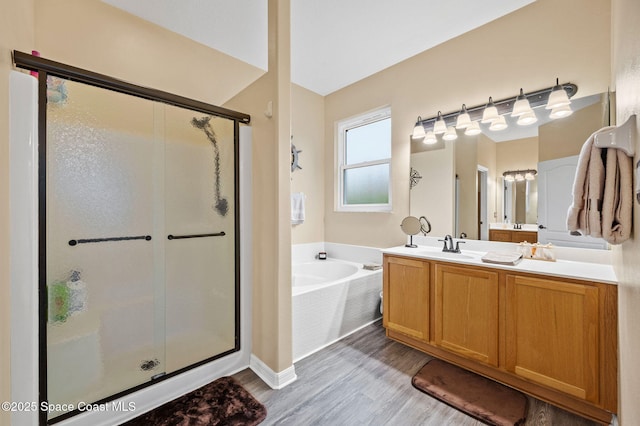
(46,67)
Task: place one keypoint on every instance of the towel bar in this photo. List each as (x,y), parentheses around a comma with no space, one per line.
(621,137)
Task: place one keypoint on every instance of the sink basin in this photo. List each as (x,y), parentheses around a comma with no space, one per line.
(447,255)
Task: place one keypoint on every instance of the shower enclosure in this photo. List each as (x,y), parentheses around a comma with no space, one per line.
(139,235)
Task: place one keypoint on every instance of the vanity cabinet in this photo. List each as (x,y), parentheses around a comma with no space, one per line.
(513,236)
(406,297)
(552,334)
(552,338)
(466,312)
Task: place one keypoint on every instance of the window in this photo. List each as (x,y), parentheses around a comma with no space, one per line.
(364,162)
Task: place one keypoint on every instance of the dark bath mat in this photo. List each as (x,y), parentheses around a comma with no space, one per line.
(479,397)
(221,402)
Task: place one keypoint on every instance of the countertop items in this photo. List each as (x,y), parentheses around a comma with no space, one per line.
(560,268)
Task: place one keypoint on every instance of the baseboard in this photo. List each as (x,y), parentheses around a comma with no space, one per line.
(270,377)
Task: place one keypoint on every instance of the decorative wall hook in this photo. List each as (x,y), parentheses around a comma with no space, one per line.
(622,137)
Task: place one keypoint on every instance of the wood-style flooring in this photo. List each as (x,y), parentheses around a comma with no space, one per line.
(365,379)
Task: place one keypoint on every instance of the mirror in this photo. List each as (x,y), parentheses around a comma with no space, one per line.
(520,202)
(459,184)
(411,226)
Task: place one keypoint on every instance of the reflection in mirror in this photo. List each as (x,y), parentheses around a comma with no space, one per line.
(520,202)
(461,186)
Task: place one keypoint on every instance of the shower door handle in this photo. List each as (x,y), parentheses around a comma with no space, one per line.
(182,237)
(103,240)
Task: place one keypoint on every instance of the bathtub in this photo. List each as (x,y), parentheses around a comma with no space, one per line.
(331,299)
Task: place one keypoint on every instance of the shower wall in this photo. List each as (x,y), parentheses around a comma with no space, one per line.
(135,290)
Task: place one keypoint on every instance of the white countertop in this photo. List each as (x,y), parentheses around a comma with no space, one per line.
(561,268)
(510,227)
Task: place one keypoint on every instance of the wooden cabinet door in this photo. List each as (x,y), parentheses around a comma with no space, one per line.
(406,297)
(552,334)
(466,312)
(500,235)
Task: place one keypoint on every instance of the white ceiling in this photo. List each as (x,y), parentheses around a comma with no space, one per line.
(334,43)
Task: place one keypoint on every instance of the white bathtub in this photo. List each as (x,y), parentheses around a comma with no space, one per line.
(331,299)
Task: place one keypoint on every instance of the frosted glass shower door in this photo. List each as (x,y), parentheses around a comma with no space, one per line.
(201,237)
(141,268)
(104,333)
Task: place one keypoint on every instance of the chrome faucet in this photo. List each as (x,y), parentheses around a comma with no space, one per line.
(449,248)
(450,239)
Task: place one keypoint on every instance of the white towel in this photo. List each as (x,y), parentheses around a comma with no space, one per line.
(297,208)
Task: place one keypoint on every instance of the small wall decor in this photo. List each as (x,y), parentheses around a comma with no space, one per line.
(294,158)
(415,177)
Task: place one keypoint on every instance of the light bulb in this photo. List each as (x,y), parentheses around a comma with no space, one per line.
(528,118)
(464,120)
(440,126)
(430,138)
(450,134)
(521,106)
(558,97)
(498,124)
(473,129)
(418,130)
(561,112)
(490,112)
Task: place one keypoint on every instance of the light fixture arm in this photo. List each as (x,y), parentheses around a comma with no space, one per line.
(504,106)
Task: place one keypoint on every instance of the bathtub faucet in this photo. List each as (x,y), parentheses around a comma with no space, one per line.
(321,255)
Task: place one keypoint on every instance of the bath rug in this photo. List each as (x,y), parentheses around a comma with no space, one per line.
(477,396)
(221,402)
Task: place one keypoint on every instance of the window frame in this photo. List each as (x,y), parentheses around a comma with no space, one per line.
(342,127)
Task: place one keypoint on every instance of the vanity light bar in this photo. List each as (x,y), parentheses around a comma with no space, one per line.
(504,106)
(529,174)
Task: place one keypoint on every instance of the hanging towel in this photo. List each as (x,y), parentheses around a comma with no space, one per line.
(297,208)
(617,210)
(588,187)
(602,193)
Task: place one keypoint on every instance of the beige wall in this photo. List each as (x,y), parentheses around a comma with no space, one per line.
(307,124)
(626,75)
(16,32)
(489,61)
(271,196)
(565,137)
(520,154)
(466,149)
(93,35)
(435,202)
(487,157)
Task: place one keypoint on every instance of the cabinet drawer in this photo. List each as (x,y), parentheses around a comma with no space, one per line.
(500,235)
